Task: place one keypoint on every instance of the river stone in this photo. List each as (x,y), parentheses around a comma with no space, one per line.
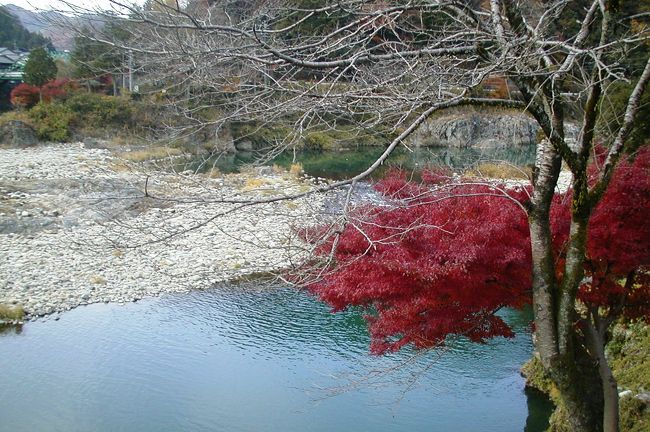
(644,397)
(18,134)
(95,143)
(244,146)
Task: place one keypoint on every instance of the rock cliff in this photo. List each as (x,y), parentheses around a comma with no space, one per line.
(482,130)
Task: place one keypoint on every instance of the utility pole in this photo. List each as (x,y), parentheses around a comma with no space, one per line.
(131,71)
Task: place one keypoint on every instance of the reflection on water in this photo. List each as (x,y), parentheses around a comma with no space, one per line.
(343,164)
(540,408)
(250,360)
(11,328)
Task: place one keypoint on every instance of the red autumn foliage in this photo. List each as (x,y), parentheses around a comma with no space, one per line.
(618,244)
(24,96)
(440,260)
(57,89)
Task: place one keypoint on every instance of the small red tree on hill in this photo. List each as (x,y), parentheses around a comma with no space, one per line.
(442,258)
(57,89)
(24,96)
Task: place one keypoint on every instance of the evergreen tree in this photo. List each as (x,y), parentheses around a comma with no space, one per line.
(39,68)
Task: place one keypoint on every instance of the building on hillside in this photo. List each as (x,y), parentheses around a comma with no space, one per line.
(12,64)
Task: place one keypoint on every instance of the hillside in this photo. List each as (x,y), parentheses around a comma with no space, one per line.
(15,35)
(49,24)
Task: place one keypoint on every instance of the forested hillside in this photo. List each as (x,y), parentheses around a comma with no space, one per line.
(13,35)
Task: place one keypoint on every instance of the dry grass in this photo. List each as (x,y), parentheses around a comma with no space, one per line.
(296,170)
(214,173)
(501,171)
(15,115)
(150,153)
(255,183)
(11,313)
(120,167)
(98,280)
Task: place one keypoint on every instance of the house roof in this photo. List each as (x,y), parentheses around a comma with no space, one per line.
(10,57)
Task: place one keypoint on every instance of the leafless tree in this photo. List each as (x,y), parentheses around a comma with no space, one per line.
(371,64)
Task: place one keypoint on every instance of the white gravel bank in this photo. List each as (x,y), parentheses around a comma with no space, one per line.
(70,219)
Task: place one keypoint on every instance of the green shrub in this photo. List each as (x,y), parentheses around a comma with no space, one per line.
(52,121)
(89,113)
(11,313)
(261,135)
(319,141)
(99,110)
(634,415)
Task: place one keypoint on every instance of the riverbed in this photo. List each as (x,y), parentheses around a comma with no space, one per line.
(81,226)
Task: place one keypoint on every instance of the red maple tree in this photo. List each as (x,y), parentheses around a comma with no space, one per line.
(57,89)
(442,257)
(24,96)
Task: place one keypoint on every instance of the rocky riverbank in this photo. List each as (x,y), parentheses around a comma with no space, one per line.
(80,226)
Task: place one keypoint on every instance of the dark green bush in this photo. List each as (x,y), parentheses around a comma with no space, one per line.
(100,110)
(85,113)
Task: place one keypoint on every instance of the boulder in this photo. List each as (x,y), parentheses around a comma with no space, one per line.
(17,133)
(213,138)
(244,145)
(95,143)
(644,397)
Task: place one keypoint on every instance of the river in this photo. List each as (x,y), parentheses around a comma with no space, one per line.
(257,358)
(346,162)
(249,359)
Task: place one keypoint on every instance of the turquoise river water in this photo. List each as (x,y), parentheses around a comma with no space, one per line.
(251,359)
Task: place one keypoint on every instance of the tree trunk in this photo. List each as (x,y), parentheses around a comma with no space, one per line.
(596,338)
(572,369)
(547,169)
(577,379)
(610,396)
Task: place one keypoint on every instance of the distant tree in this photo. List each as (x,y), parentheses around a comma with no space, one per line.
(39,68)
(64,68)
(93,59)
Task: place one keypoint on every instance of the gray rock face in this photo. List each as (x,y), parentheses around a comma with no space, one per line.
(492,130)
(218,139)
(224,141)
(244,146)
(18,134)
